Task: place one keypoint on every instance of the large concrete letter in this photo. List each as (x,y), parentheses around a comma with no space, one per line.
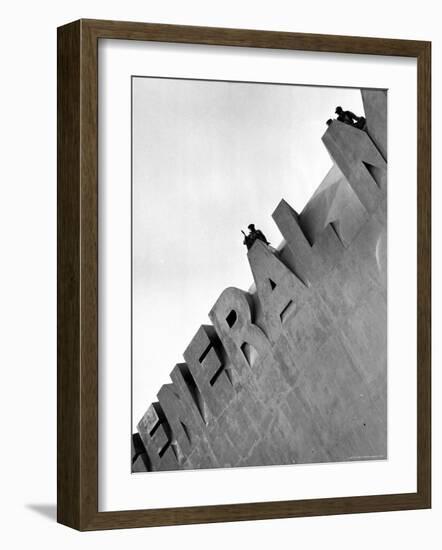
(203,357)
(304,261)
(375,107)
(140,461)
(155,435)
(182,410)
(359,160)
(278,289)
(232,318)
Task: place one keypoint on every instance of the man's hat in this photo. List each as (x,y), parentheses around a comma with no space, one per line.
(251,226)
(339,108)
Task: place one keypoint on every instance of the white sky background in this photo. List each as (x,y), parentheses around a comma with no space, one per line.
(209,158)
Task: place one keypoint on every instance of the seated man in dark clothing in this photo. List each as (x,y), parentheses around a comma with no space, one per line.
(347,117)
(253,235)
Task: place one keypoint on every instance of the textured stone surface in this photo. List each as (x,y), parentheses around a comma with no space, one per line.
(360,162)
(295,372)
(335,203)
(375,107)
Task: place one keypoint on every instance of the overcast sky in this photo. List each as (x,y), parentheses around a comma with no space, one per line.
(208,159)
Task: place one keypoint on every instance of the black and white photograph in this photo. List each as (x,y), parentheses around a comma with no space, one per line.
(220,275)
(259,274)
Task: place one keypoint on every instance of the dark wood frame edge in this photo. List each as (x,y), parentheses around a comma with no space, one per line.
(77,275)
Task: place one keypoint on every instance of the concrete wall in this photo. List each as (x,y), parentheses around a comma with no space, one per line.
(295,372)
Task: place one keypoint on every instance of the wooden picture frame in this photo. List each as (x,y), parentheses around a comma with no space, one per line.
(77,226)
